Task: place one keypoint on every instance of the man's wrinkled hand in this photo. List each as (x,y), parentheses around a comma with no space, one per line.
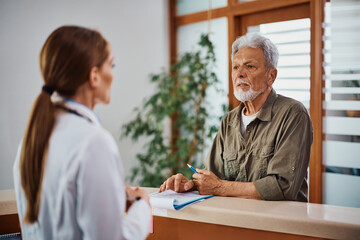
(177,183)
(207,182)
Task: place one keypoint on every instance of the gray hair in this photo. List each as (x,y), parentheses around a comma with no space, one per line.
(254,40)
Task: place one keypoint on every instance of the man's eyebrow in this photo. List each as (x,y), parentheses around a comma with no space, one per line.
(250,61)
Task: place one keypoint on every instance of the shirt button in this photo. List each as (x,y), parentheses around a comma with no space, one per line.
(293,169)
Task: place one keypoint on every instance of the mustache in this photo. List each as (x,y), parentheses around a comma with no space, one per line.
(239,82)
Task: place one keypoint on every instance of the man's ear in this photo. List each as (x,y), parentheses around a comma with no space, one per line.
(272,76)
(94,79)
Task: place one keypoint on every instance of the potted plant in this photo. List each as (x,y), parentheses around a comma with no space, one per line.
(180,96)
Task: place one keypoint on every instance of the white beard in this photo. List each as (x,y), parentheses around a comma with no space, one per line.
(249,95)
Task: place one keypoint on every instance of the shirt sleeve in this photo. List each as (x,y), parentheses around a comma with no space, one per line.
(101,197)
(287,169)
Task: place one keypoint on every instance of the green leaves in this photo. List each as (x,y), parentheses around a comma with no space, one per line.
(179,96)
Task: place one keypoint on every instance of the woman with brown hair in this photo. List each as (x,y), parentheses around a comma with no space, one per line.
(69,179)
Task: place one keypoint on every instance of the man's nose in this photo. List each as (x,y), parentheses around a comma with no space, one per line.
(240,72)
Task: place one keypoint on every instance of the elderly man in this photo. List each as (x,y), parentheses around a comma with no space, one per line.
(262,148)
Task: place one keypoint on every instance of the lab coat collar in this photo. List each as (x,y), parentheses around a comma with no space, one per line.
(79,108)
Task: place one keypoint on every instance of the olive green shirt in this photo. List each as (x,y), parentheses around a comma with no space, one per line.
(274,154)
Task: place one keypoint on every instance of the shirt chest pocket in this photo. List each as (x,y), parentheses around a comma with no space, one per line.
(261,161)
(231,165)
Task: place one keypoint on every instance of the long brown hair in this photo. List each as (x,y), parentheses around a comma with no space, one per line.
(66,60)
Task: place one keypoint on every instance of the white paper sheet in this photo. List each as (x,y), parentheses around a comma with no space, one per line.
(175,201)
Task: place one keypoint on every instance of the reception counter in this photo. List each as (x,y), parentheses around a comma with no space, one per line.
(9,221)
(233,218)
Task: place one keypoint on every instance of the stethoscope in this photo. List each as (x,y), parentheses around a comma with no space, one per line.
(69,110)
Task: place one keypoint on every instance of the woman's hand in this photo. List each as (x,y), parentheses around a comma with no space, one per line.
(133,194)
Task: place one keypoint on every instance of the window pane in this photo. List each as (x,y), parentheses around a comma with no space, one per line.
(190,6)
(341,189)
(341,123)
(188,36)
(349,154)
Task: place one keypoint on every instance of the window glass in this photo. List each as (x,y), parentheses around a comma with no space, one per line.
(188,36)
(341,124)
(191,6)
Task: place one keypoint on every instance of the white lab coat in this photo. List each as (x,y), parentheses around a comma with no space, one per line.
(83,195)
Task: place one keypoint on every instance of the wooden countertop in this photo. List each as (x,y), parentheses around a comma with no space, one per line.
(7,202)
(316,220)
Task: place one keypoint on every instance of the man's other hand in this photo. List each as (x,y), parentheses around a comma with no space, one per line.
(177,183)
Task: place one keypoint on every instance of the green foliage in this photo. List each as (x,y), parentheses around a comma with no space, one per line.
(353,84)
(180,97)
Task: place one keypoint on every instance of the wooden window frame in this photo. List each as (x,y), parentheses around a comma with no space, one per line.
(241,14)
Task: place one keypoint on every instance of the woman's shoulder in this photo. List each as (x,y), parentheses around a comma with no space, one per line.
(81,133)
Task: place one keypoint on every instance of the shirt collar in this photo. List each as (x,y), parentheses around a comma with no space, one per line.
(81,109)
(266,110)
